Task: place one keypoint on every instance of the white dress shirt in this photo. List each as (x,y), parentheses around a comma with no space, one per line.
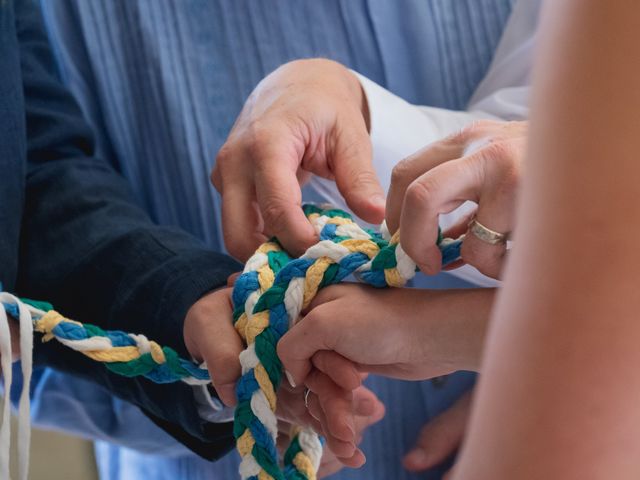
(399,128)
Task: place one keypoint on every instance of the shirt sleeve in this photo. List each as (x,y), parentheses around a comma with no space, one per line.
(87,248)
(399,129)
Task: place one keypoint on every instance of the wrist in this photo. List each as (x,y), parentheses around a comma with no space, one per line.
(200,312)
(453,337)
(475,321)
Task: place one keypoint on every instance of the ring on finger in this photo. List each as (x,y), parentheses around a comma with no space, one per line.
(487,235)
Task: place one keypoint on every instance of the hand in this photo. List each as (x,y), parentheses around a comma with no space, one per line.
(210,336)
(367,410)
(482,163)
(307,117)
(440,438)
(402,333)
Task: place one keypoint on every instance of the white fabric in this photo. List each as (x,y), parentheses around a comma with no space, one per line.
(5,428)
(399,128)
(26,353)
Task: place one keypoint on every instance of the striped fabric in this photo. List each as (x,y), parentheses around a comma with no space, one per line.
(162,82)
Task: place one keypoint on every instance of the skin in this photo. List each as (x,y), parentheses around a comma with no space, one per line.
(402,333)
(559,397)
(330,463)
(344,411)
(440,438)
(481,163)
(311,117)
(307,117)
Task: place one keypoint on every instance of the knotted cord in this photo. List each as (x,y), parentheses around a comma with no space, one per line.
(268,298)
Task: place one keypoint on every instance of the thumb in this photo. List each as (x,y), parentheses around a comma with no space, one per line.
(355,176)
(211,337)
(439,438)
(224,368)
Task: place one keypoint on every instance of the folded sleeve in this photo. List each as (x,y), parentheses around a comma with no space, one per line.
(399,128)
(87,248)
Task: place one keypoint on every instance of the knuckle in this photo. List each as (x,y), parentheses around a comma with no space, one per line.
(503,158)
(225,159)
(499,152)
(419,193)
(216,181)
(224,154)
(259,139)
(401,174)
(475,129)
(318,324)
(274,214)
(515,128)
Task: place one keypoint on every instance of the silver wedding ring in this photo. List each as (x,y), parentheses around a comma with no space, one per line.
(306,397)
(486,234)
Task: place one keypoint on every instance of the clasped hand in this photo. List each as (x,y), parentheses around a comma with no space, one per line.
(342,413)
(311,117)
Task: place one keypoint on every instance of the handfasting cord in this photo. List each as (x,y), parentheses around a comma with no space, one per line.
(268,298)
(122,353)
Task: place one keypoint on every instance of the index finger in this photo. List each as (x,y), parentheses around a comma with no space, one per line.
(280,200)
(440,190)
(240,219)
(406,171)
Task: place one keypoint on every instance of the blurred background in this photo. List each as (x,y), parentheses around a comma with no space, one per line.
(55,456)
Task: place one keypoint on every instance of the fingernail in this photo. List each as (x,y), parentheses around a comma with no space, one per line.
(417,457)
(378,200)
(290,379)
(427,269)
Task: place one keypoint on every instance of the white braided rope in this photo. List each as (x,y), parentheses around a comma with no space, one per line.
(24,405)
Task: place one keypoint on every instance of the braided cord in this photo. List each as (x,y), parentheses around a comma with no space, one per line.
(268,298)
(122,353)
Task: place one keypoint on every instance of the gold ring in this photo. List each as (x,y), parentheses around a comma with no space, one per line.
(486,234)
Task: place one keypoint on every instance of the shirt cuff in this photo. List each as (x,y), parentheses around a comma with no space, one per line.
(209,407)
(399,129)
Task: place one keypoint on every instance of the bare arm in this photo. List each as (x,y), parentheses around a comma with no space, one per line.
(561,394)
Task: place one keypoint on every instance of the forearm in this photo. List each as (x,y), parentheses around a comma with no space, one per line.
(99,259)
(94,254)
(559,398)
(455,326)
